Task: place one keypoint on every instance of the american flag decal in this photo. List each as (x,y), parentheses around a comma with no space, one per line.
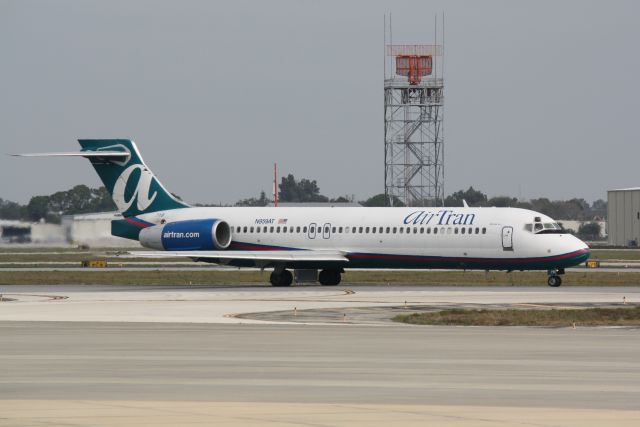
(282,221)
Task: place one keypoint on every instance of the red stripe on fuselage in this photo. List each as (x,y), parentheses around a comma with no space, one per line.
(137,223)
(458,259)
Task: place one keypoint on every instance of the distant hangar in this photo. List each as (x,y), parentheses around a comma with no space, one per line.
(624,216)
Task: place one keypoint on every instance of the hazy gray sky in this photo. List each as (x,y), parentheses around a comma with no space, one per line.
(542,97)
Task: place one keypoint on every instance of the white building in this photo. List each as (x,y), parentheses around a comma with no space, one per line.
(94,230)
(575,225)
(31,232)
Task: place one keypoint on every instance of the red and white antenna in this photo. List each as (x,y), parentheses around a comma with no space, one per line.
(275,185)
(414,61)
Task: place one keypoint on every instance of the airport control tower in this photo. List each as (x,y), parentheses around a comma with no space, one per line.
(413,126)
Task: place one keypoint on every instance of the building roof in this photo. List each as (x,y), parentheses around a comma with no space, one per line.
(627,189)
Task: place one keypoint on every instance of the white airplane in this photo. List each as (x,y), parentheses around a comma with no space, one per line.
(326,239)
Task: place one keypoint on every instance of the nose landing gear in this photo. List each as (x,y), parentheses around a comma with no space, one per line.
(554,279)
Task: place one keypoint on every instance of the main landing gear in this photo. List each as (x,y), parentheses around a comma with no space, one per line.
(329,277)
(282,278)
(554,279)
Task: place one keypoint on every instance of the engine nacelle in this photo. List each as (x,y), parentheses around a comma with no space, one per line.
(188,235)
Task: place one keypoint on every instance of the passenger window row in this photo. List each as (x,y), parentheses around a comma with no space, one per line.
(361,230)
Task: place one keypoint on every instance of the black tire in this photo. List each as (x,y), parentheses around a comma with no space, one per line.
(274,279)
(286,278)
(329,277)
(554,281)
(283,279)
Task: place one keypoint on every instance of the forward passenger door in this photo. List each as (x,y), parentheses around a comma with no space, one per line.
(507,238)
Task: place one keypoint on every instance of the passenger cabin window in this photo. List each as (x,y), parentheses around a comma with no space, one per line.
(360,230)
(484,230)
(339,229)
(462,230)
(435,230)
(245,230)
(388,230)
(304,229)
(271,229)
(353,229)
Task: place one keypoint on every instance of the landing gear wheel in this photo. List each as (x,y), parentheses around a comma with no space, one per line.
(283,279)
(329,277)
(554,281)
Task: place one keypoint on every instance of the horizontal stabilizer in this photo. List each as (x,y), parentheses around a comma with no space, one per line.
(120,154)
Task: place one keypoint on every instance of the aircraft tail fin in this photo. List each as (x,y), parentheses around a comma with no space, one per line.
(134,188)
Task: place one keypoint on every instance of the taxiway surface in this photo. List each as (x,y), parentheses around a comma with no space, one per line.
(223,304)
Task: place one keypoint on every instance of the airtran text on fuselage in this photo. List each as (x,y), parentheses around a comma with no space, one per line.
(442,217)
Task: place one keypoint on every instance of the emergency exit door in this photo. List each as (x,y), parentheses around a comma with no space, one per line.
(507,238)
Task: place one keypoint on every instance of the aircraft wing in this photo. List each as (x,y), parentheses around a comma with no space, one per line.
(260,257)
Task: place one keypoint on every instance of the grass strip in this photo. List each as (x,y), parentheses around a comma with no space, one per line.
(381,277)
(628,316)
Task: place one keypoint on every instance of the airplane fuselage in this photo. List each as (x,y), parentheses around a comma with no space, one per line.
(465,238)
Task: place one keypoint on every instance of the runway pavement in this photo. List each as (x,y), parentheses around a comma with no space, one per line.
(64,373)
(178,355)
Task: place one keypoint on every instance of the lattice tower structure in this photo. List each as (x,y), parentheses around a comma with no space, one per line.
(413,127)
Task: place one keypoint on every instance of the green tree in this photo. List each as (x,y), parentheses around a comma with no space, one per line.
(589,231)
(599,209)
(381,200)
(11,210)
(471,196)
(502,202)
(38,208)
(253,201)
(299,191)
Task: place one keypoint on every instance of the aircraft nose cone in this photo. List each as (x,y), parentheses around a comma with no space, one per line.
(581,249)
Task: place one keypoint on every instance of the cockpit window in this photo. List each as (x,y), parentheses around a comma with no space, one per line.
(546,228)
